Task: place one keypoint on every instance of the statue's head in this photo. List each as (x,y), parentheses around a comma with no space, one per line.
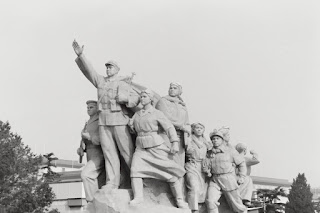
(175,89)
(146,97)
(92,107)
(112,68)
(217,137)
(197,129)
(241,148)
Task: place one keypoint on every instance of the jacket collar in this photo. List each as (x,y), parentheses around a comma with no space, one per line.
(93,118)
(144,112)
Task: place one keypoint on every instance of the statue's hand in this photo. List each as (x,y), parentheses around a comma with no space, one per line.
(252,152)
(77,49)
(186,129)
(85,135)
(174,147)
(240,180)
(80,151)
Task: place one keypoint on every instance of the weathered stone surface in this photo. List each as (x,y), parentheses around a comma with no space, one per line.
(157,199)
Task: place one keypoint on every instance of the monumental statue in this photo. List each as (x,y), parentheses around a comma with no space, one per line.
(152,158)
(196,152)
(131,126)
(115,97)
(220,168)
(91,145)
(175,109)
(247,188)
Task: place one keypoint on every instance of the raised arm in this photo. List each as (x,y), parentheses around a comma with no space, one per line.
(254,160)
(76,47)
(85,66)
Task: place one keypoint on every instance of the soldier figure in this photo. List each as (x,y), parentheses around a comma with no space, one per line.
(220,168)
(91,145)
(115,97)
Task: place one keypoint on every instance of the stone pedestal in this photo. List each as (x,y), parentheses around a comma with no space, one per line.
(157,199)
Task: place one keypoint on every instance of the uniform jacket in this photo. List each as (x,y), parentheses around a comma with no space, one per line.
(112,113)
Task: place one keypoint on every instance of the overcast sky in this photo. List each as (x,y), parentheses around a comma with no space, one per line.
(250,65)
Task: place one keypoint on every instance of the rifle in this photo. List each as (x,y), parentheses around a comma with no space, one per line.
(82,143)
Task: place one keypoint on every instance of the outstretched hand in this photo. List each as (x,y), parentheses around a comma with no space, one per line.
(240,180)
(77,49)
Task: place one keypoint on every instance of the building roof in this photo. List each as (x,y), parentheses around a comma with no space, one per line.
(270,181)
(74,176)
(65,163)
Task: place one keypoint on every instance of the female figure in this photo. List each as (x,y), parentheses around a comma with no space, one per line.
(195,179)
(152,158)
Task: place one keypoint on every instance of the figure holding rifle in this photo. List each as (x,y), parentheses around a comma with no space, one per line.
(95,165)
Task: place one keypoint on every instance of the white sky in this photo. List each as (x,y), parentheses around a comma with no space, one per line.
(250,65)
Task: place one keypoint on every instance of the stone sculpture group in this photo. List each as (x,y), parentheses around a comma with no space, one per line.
(131,130)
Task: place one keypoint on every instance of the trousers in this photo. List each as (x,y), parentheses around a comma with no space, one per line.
(115,140)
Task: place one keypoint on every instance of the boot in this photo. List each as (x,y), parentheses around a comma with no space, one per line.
(137,188)
(176,189)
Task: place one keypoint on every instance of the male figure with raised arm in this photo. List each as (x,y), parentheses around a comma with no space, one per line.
(115,97)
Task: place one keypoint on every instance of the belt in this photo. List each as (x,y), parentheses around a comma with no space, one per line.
(106,106)
(218,175)
(147,133)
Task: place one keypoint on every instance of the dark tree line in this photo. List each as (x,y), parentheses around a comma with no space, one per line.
(24,181)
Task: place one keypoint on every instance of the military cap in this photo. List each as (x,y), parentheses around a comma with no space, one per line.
(148,92)
(216,133)
(176,84)
(91,102)
(113,63)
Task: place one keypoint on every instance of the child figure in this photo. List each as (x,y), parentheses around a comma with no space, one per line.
(247,187)
(219,166)
(195,179)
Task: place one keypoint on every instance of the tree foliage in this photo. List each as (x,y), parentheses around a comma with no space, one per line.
(24,185)
(300,197)
(269,197)
(271,194)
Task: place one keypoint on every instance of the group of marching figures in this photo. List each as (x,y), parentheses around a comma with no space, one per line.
(165,146)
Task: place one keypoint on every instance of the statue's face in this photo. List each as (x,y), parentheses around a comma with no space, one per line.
(111,70)
(144,99)
(216,141)
(174,90)
(92,109)
(198,130)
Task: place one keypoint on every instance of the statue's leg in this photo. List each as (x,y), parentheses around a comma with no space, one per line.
(137,188)
(124,143)
(193,191)
(176,189)
(246,190)
(89,181)
(235,201)
(91,171)
(213,196)
(110,154)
